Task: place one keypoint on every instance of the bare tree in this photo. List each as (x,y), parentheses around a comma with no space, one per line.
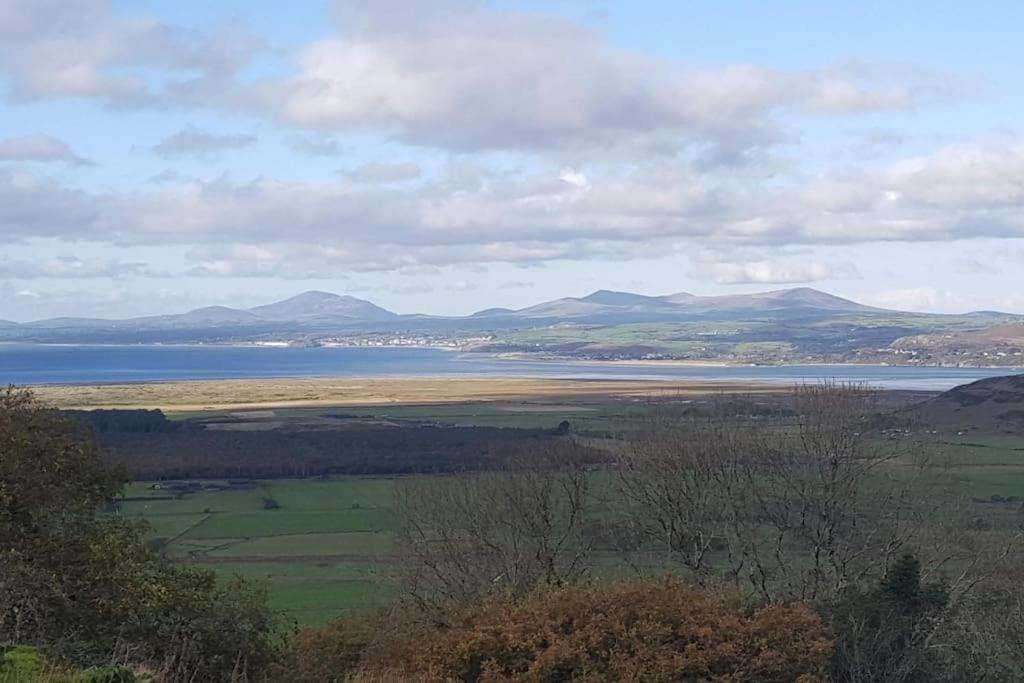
(678,481)
(799,507)
(504,531)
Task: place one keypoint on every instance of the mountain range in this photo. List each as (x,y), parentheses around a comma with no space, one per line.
(802,319)
(604,304)
(323,307)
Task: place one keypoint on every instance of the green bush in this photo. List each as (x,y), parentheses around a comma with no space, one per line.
(19,663)
(886,633)
(106,674)
(81,585)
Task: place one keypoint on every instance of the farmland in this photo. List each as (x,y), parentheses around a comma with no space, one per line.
(323,543)
(328,549)
(325,551)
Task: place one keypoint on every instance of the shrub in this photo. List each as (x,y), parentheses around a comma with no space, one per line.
(18,662)
(106,674)
(327,654)
(641,631)
(885,634)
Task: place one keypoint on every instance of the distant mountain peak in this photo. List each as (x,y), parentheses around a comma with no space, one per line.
(795,297)
(207,315)
(606,305)
(317,304)
(804,292)
(608,297)
(316,296)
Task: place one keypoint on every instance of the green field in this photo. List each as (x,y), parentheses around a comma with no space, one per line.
(329,548)
(324,552)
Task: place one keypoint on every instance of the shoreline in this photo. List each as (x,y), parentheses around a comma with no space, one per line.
(672,362)
(512,356)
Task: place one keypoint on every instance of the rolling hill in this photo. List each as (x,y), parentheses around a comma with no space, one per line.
(605,306)
(990,405)
(1009,336)
(307,313)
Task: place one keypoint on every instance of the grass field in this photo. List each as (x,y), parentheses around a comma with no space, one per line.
(324,552)
(329,548)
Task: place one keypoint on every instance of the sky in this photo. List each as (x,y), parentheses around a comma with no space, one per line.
(444,156)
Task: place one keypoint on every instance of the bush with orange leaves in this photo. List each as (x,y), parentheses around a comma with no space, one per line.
(637,631)
(325,654)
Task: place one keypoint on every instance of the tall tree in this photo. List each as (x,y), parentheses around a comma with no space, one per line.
(81,584)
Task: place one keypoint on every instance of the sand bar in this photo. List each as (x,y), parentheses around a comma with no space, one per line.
(247,394)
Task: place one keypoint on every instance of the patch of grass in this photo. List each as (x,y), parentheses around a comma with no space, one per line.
(282,522)
(309,546)
(317,592)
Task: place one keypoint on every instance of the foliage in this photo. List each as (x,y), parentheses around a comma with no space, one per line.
(23,664)
(106,674)
(326,654)
(312,452)
(640,631)
(135,420)
(19,663)
(83,586)
(884,634)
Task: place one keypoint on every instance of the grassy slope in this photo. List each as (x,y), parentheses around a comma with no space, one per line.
(710,338)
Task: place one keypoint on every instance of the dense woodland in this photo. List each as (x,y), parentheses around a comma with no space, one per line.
(151,449)
(794,547)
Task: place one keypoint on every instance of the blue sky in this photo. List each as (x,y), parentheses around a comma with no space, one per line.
(446,156)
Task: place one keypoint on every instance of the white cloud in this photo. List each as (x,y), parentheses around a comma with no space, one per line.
(82,49)
(618,155)
(192,141)
(461,286)
(466,76)
(574,178)
(783,270)
(73,267)
(39,148)
(449,74)
(314,146)
(378,172)
(941,300)
(962,192)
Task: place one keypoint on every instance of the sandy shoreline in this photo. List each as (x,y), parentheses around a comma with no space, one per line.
(247,394)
